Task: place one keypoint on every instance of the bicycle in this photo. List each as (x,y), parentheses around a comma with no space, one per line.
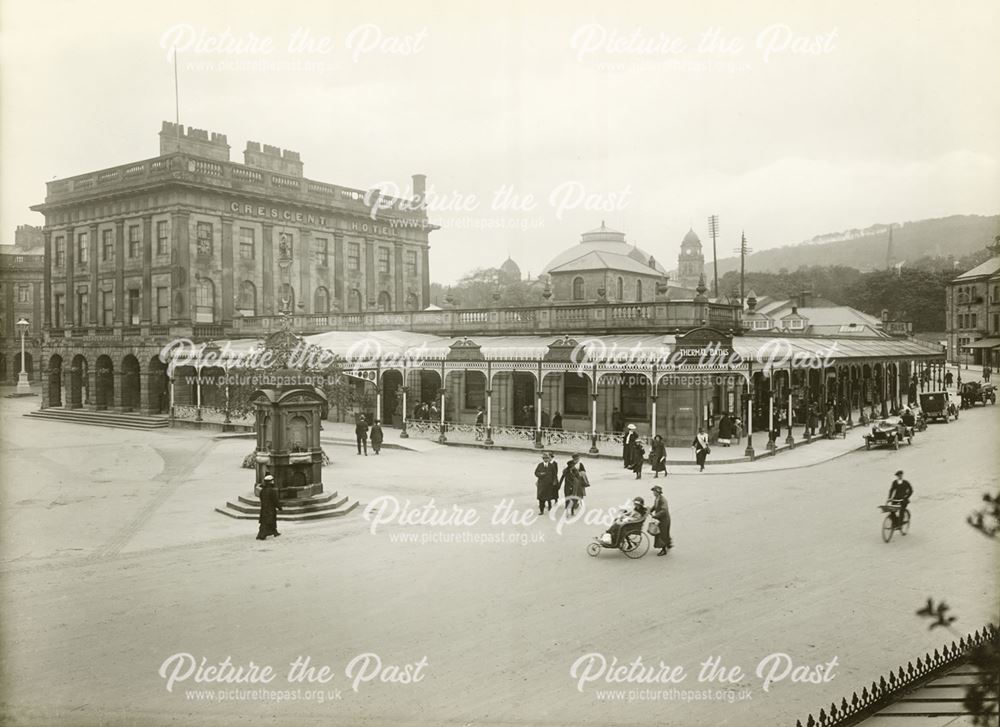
(894,520)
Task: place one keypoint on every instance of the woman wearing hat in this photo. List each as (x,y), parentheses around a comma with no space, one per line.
(575,487)
(659,512)
(269,507)
(701,448)
(628,447)
(628,517)
(658,456)
(546,482)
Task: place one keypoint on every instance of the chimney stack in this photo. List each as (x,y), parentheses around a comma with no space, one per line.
(420,190)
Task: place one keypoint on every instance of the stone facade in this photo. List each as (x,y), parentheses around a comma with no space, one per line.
(188,243)
(21,296)
(972,305)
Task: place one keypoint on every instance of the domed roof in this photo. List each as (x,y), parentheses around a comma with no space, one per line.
(602,234)
(612,251)
(510,270)
(691,237)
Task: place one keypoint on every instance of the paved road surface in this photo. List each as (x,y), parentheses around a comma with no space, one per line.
(113,561)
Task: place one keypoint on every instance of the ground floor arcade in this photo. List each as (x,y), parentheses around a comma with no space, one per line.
(524,386)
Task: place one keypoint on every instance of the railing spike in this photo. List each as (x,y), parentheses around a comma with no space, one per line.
(909,667)
(855,700)
(864,695)
(810,722)
(798,723)
(822,716)
(843,704)
(833,711)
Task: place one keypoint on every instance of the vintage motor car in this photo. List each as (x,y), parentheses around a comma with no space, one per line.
(975,392)
(936,405)
(887,433)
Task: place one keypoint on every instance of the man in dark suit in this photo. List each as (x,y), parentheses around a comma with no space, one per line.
(361,432)
(269,506)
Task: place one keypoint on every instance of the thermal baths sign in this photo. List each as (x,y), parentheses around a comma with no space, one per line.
(286,215)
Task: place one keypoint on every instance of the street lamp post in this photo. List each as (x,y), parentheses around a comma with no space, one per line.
(23,386)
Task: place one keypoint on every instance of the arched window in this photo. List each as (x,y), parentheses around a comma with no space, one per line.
(205,301)
(248,298)
(354,301)
(578,289)
(321,300)
(638,291)
(621,288)
(412,302)
(384,302)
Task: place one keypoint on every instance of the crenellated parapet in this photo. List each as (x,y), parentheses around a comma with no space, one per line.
(211,145)
(273,159)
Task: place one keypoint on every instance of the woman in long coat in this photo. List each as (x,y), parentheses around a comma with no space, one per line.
(725,430)
(546,482)
(628,447)
(269,507)
(574,487)
(658,456)
(658,511)
(701,448)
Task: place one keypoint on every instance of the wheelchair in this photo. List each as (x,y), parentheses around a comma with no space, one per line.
(632,541)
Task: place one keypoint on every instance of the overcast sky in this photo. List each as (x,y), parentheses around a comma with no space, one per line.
(802,119)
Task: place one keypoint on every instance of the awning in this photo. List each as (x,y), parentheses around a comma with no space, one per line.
(984,343)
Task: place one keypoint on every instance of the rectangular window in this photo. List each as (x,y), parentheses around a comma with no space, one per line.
(60,310)
(205,238)
(107,245)
(82,309)
(247,243)
(162,238)
(60,253)
(383,259)
(82,249)
(23,293)
(133,306)
(411,263)
(134,242)
(162,306)
(322,252)
(975,321)
(107,308)
(475,389)
(353,256)
(576,394)
(633,393)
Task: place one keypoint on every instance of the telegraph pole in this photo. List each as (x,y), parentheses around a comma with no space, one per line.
(743,251)
(713,230)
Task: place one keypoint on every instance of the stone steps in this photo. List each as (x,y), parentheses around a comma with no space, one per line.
(327,505)
(119,420)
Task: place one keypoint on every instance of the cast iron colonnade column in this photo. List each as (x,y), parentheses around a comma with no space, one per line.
(790,440)
(593,412)
(441,437)
(771,443)
(538,409)
(749,450)
(404,389)
(489,405)
(652,424)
